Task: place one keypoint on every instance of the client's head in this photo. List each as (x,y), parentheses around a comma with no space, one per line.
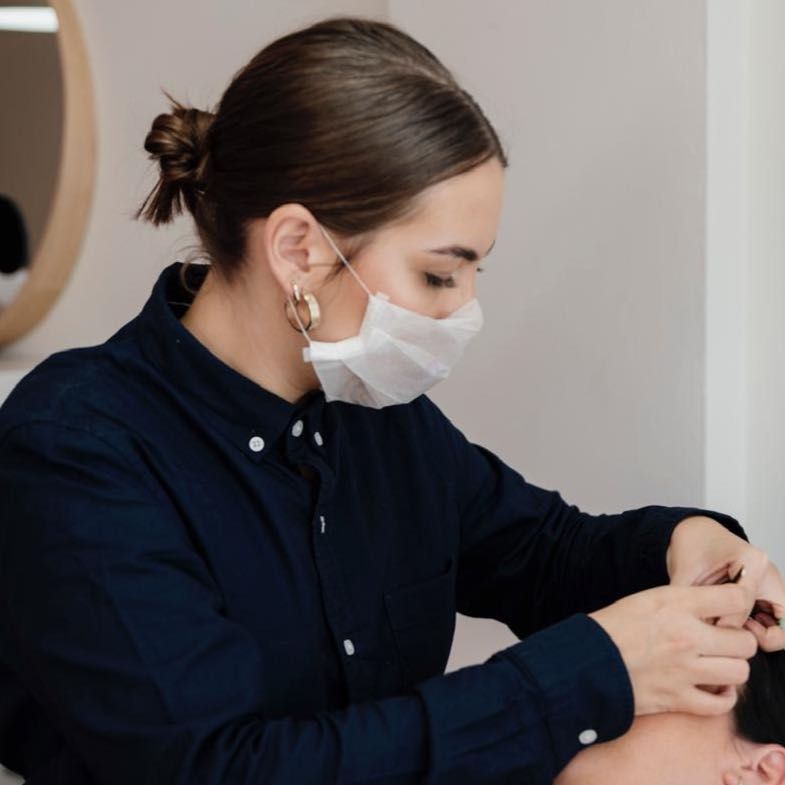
(745,745)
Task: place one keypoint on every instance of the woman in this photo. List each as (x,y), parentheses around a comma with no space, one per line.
(743,747)
(236,534)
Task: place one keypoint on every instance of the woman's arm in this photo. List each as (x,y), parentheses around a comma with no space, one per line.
(111,619)
(528,558)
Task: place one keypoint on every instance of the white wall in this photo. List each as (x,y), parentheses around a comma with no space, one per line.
(727,259)
(745,286)
(766,313)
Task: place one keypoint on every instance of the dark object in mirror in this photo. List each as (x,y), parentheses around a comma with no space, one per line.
(14,249)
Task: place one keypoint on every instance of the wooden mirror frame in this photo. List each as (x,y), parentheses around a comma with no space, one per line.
(56,254)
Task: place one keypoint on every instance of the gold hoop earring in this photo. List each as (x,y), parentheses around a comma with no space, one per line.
(314,311)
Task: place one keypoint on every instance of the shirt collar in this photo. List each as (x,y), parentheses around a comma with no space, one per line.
(252,417)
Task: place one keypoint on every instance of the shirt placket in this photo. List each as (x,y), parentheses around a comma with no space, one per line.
(307,446)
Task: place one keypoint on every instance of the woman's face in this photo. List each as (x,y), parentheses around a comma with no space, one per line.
(677,749)
(461,212)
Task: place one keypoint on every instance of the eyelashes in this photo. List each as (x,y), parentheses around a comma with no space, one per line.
(439,282)
(448,283)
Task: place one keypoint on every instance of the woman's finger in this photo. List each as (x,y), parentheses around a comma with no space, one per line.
(698,701)
(726,642)
(757,629)
(770,636)
(769,598)
(720,601)
(747,575)
(721,671)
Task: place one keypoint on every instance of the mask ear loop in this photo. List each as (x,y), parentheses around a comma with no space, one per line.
(306,350)
(350,268)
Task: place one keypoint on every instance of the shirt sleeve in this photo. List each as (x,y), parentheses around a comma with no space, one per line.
(528,558)
(112,621)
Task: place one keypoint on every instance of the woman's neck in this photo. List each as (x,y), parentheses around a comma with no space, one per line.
(245,327)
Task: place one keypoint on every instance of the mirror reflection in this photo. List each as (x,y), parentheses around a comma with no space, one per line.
(31,94)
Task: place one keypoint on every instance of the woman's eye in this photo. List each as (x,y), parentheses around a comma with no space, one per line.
(435,280)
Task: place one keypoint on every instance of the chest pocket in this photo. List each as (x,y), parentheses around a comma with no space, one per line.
(422,617)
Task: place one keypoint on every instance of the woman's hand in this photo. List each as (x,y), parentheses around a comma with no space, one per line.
(676,659)
(703,551)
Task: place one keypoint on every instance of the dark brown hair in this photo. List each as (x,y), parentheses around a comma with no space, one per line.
(350,117)
(759,713)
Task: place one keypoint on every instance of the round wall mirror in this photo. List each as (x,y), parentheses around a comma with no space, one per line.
(47,157)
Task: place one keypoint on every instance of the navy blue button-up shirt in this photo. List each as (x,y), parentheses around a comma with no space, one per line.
(204,584)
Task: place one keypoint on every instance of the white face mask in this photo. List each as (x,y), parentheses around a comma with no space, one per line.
(397,355)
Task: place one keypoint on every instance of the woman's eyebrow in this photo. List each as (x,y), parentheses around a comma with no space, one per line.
(460,251)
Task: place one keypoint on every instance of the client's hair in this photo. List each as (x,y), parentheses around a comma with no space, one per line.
(759,712)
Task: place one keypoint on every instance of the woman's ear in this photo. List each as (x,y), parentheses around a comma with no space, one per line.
(771,764)
(290,242)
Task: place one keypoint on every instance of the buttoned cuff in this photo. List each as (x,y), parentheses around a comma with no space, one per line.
(585,688)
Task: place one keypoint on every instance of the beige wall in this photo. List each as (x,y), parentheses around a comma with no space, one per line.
(191,48)
(594,294)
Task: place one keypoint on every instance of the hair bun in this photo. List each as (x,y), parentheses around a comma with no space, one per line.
(178,141)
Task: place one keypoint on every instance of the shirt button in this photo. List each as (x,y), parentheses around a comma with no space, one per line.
(297,428)
(256,443)
(349,646)
(317,437)
(587,736)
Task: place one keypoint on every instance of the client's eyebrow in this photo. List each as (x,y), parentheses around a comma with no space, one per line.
(460,251)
